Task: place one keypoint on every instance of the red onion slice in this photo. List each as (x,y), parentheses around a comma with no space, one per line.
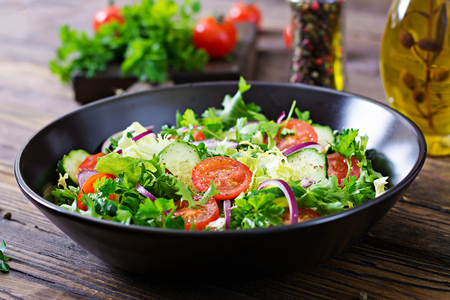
(307,182)
(141,135)
(281,117)
(211,143)
(85,175)
(107,142)
(144,192)
(301,146)
(227,210)
(286,189)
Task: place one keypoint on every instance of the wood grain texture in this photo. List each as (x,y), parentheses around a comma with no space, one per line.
(405,256)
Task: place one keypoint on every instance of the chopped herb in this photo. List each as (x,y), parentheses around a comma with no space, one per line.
(4,267)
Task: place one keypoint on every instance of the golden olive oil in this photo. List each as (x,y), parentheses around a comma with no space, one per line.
(415,67)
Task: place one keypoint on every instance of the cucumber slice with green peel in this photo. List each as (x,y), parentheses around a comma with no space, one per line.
(69,164)
(180,158)
(312,163)
(325,134)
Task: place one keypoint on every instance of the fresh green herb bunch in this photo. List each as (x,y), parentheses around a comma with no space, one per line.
(154,39)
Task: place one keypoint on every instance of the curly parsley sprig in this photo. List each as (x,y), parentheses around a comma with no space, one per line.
(155,38)
(3,265)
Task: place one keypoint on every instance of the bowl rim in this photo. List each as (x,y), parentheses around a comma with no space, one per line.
(32,195)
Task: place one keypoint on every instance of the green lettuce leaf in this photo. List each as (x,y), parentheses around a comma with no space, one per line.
(235,108)
(117,164)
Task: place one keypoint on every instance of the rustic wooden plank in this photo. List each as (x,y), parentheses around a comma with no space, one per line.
(15,288)
(431,189)
(6,165)
(405,256)
(74,271)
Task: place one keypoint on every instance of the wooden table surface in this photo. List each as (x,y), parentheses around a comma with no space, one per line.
(405,256)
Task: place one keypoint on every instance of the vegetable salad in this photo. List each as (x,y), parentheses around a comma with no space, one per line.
(226,169)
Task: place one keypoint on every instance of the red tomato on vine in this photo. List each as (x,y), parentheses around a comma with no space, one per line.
(287,36)
(106,15)
(241,11)
(217,36)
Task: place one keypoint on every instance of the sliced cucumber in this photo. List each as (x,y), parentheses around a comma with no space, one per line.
(324,134)
(69,164)
(180,158)
(312,163)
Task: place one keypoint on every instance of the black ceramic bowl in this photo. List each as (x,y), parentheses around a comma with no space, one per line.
(397,147)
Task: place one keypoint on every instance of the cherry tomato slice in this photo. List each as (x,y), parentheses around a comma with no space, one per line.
(89,163)
(230,176)
(216,38)
(88,188)
(304,214)
(106,15)
(337,166)
(304,133)
(243,12)
(198,136)
(200,216)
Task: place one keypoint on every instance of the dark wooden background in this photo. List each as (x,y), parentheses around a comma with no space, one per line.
(405,256)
